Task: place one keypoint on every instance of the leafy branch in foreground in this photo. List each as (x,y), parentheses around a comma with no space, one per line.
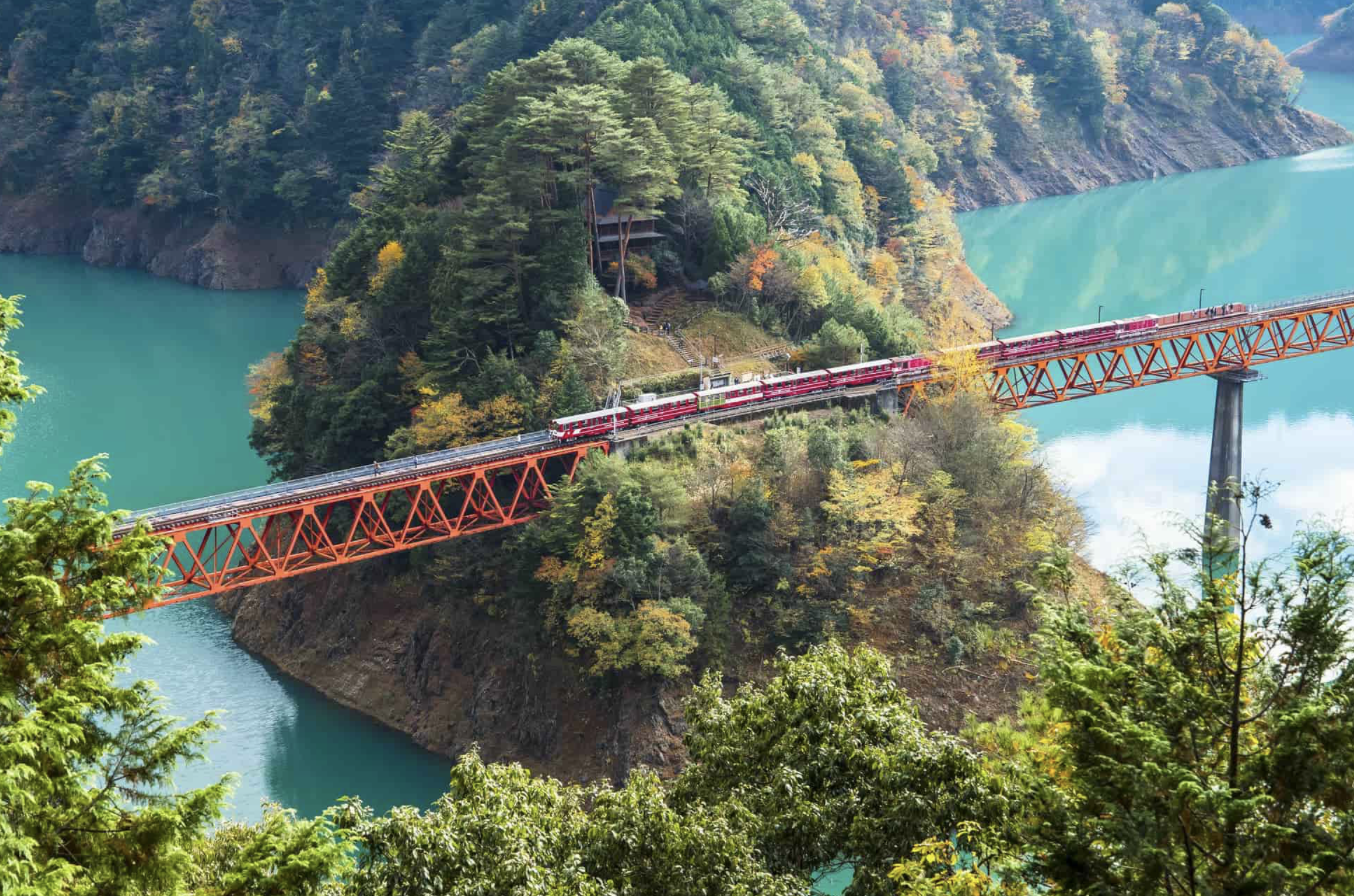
(87,802)
(1204,744)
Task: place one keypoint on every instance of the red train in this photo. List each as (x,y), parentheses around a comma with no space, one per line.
(674,407)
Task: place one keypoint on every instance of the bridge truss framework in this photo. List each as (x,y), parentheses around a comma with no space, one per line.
(225,552)
(225,548)
(1231,346)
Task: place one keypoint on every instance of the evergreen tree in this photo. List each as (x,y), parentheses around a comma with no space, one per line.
(1204,743)
(85,762)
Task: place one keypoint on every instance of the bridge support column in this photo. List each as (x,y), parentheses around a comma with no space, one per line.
(622,449)
(1224,461)
(886,402)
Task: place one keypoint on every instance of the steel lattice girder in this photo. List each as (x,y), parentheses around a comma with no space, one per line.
(1164,359)
(297,537)
(293,538)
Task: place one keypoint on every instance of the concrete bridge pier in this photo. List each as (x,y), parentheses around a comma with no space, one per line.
(886,401)
(622,448)
(1224,461)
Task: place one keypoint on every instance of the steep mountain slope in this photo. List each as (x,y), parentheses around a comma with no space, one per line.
(1333,51)
(231,127)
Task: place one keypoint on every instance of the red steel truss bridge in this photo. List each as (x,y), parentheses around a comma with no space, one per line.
(286,529)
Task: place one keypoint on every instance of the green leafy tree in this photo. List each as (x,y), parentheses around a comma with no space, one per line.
(836,344)
(833,765)
(84,762)
(1203,743)
(498,829)
(596,334)
(87,804)
(278,856)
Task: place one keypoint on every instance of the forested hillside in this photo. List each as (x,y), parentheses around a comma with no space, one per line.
(262,118)
(791,167)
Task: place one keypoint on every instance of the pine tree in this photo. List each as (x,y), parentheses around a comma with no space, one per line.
(85,762)
(1203,743)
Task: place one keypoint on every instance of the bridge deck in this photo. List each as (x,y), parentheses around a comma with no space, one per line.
(288,528)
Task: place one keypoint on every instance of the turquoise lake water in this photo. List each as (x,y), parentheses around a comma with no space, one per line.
(1256,233)
(151,372)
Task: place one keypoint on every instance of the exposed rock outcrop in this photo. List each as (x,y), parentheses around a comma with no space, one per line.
(1150,143)
(201,251)
(451,675)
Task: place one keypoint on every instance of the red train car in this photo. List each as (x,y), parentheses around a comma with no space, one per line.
(728,396)
(1024,346)
(911,364)
(986,350)
(593,423)
(662,409)
(1087,334)
(796,383)
(863,373)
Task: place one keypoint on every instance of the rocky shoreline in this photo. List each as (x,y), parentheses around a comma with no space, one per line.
(196,250)
(1151,146)
(221,255)
(450,675)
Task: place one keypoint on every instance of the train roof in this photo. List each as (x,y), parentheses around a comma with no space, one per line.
(847,368)
(658,402)
(793,377)
(970,348)
(1095,326)
(590,415)
(732,387)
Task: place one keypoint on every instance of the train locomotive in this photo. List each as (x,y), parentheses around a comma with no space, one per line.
(903,369)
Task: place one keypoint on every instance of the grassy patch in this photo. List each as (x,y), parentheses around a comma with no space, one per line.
(727,335)
(650,355)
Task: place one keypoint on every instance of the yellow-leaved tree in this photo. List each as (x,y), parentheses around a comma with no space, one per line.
(388,259)
(262,379)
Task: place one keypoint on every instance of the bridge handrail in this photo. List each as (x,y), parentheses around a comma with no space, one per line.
(290,486)
(1302,300)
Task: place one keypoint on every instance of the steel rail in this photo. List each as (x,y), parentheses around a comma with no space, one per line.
(394,474)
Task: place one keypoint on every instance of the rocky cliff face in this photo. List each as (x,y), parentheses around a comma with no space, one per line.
(1146,142)
(203,252)
(451,675)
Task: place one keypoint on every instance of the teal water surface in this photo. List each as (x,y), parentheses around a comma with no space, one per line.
(1256,233)
(151,372)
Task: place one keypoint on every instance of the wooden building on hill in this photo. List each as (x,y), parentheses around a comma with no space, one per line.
(613,236)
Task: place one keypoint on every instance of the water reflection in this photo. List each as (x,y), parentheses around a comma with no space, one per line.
(1138,480)
(286,741)
(323,752)
(1256,233)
